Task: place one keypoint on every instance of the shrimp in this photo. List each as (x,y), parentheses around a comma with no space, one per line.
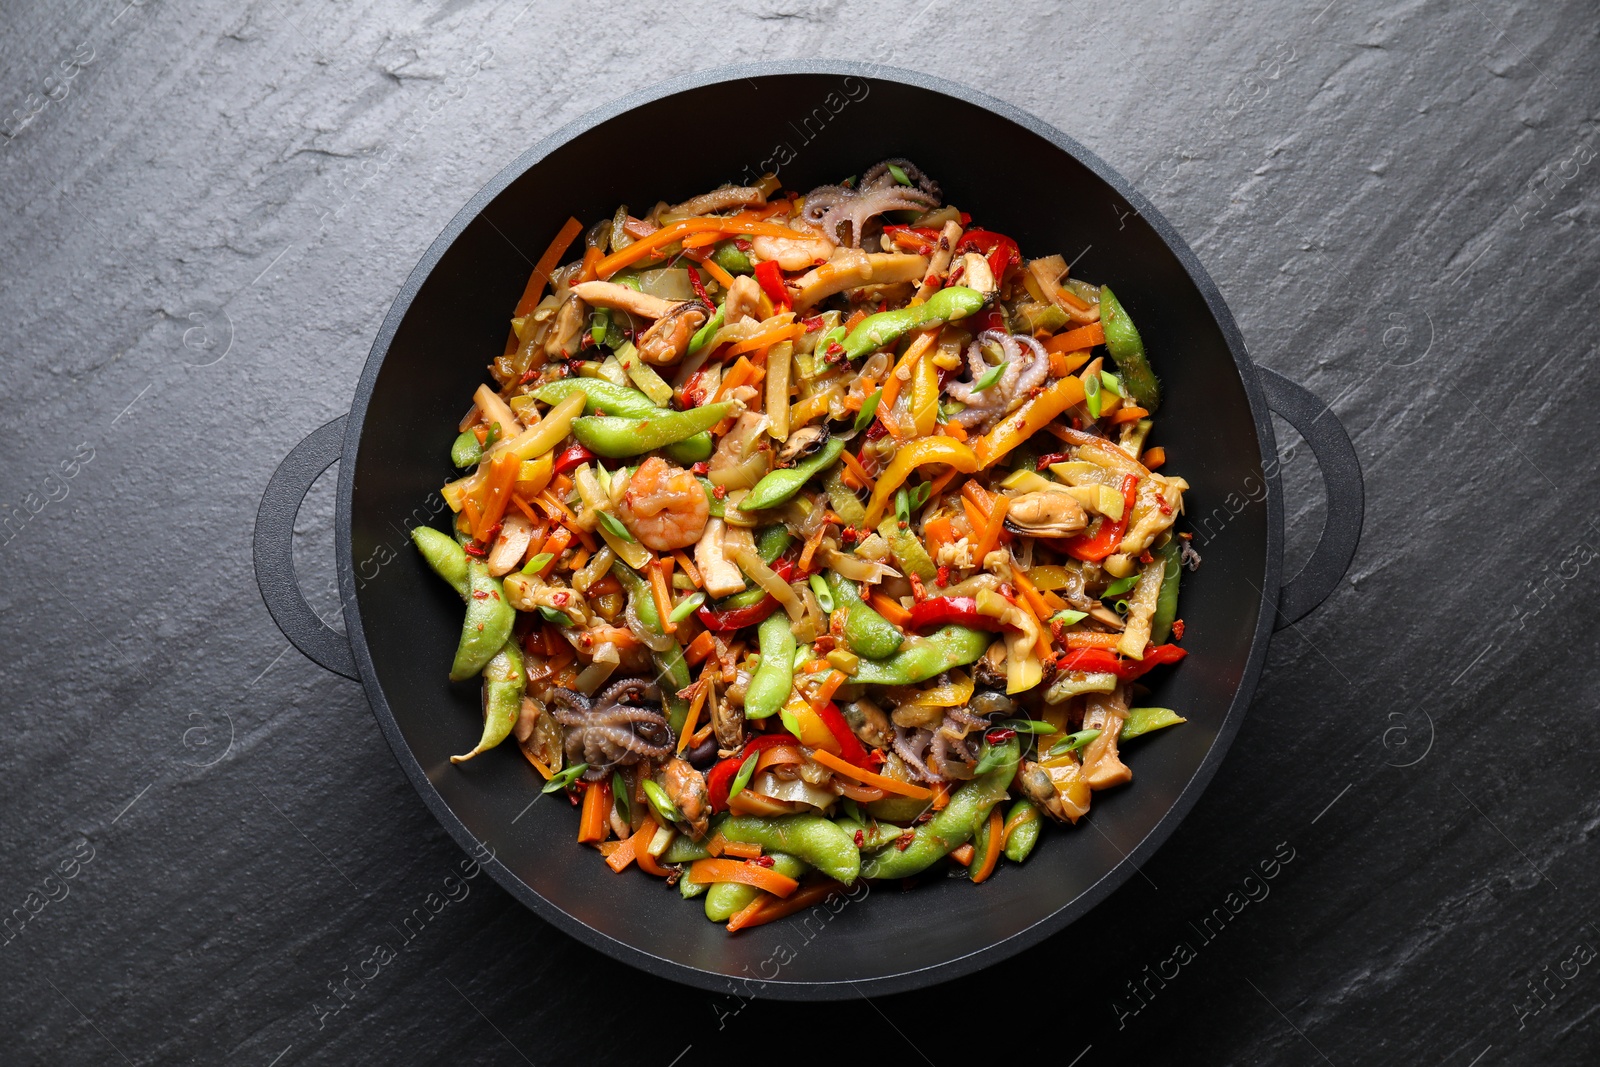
(795,253)
(664,506)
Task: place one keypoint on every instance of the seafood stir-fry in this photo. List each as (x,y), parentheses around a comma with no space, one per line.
(809,538)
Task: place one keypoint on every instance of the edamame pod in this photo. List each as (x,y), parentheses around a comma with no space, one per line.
(445,555)
(727,899)
(504,681)
(887,327)
(867,633)
(1023,818)
(876,835)
(1127,351)
(487,625)
(955,825)
(812,838)
(691,450)
(769,686)
(780,485)
(609,398)
(616,437)
(921,658)
(1167,598)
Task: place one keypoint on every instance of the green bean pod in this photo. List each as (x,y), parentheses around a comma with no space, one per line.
(954,826)
(1167,599)
(887,327)
(867,633)
(616,437)
(487,625)
(780,485)
(727,899)
(921,658)
(812,838)
(1127,351)
(445,555)
(1025,834)
(769,686)
(504,682)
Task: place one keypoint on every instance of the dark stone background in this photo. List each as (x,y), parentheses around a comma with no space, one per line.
(204,225)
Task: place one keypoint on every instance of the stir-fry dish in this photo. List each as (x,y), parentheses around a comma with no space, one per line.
(809,538)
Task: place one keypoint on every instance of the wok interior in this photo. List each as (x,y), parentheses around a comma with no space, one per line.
(1011,180)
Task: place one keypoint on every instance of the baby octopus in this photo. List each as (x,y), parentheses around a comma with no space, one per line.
(606,731)
(1023,374)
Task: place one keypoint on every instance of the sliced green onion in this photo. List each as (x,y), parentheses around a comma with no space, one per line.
(565,778)
(1112,382)
(1121,585)
(801,654)
(552,615)
(868,410)
(1072,742)
(1091,395)
(1067,617)
(492,436)
(899,175)
(920,495)
(990,759)
(619,796)
(614,524)
(819,586)
(538,563)
(602,322)
(1028,726)
(902,507)
(1120,607)
(665,808)
(742,779)
(687,606)
(990,376)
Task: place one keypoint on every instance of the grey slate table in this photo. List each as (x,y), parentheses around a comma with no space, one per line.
(207,210)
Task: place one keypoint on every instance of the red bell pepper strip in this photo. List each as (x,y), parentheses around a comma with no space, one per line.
(728,621)
(1001,251)
(1104,661)
(720,779)
(1105,540)
(770,276)
(940,610)
(571,459)
(851,749)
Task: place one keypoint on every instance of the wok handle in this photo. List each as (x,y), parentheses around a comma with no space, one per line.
(274,550)
(1341,480)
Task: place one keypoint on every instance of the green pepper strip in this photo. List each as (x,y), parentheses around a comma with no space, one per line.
(726,899)
(867,633)
(609,398)
(1025,834)
(887,327)
(769,686)
(672,672)
(487,625)
(504,681)
(616,437)
(780,485)
(954,826)
(1127,351)
(921,658)
(1167,599)
(812,838)
(445,555)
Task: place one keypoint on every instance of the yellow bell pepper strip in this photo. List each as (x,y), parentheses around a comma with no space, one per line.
(920,453)
(924,397)
(678,231)
(1027,420)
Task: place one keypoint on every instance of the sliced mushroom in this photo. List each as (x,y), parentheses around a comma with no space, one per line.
(623,298)
(720,576)
(509,546)
(667,340)
(1047,513)
(565,332)
(851,268)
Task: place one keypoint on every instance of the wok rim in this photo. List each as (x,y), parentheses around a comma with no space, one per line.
(914,978)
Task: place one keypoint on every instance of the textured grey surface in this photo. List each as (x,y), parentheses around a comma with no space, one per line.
(207,209)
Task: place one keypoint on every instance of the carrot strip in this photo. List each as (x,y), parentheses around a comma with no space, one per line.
(1089,640)
(752,874)
(723,278)
(888,785)
(742,850)
(533,292)
(941,796)
(778,755)
(555,544)
(1080,338)
(677,231)
(743,917)
(538,764)
(1040,610)
(812,544)
(853,465)
(941,482)
(1153,457)
(1132,413)
(699,648)
(641,849)
(700,240)
(938,534)
(699,701)
(991,851)
(765,909)
(991,532)
(890,609)
(829,686)
(715,844)
(689,568)
(908,362)
(963,855)
(619,858)
(595,819)
(526,510)
(1065,363)
(659,569)
(740,373)
(788,332)
(1011,825)
(502,477)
